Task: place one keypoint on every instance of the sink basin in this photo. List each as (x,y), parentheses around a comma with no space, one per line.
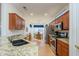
(19,42)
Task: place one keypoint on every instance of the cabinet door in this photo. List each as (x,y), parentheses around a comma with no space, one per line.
(65,49)
(59,51)
(61,18)
(59,48)
(52,25)
(65,19)
(12,21)
(15,22)
(18,23)
(56,21)
(62,48)
(23,24)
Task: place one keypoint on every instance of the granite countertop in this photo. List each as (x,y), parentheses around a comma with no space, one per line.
(51,36)
(65,40)
(8,49)
(24,50)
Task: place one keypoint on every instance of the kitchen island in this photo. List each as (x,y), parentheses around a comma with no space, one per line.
(25,50)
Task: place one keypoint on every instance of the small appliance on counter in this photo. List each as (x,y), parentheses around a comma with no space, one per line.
(62,34)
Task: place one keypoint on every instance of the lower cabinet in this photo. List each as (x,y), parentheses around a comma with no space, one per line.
(62,48)
(59,50)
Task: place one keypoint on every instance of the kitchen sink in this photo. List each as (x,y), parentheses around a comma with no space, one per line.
(19,42)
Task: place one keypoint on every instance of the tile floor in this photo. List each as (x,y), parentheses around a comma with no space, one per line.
(44,49)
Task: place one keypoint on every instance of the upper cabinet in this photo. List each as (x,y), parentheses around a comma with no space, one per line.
(52,25)
(65,20)
(58,20)
(16,22)
(61,23)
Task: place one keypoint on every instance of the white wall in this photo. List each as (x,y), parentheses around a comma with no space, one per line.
(0,19)
(0,13)
(8,8)
(74,29)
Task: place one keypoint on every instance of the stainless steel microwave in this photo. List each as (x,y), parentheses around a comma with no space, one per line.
(58,26)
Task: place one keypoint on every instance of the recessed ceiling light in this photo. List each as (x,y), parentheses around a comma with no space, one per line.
(31,14)
(45,14)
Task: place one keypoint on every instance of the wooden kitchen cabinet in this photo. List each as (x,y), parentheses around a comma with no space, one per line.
(65,52)
(52,25)
(65,20)
(16,22)
(56,21)
(59,50)
(62,48)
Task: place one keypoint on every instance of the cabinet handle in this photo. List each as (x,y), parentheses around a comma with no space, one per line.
(77,46)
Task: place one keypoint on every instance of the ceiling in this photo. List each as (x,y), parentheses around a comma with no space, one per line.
(49,9)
